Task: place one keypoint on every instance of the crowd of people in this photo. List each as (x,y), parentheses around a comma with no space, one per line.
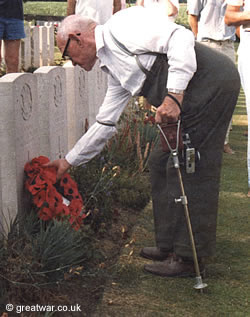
(187,75)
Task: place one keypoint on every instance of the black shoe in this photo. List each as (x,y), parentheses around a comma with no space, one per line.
(155,254)
(174,266)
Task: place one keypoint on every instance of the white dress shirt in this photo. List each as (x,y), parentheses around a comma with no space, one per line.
(162,4)
(132,28)
(162,7)
(98,10)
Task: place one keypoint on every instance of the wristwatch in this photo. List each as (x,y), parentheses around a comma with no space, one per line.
(176,91)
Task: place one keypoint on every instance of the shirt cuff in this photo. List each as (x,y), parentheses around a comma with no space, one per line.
(177,82)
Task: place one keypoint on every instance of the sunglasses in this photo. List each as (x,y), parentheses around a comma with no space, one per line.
(64,53)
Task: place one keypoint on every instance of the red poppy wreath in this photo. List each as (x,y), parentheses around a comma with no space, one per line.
(53,200)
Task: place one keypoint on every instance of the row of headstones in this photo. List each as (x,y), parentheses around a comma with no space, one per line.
(37,48)
(43,113)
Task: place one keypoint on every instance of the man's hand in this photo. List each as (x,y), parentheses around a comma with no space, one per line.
(61,165)
(169,111)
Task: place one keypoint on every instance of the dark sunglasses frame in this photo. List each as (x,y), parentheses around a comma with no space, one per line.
(64,54)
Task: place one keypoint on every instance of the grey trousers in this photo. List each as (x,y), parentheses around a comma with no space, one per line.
(208,105)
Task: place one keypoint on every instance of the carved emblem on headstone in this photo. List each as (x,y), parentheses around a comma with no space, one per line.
(57,91)
(25,102)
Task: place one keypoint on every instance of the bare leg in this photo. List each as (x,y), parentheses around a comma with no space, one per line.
(11,48)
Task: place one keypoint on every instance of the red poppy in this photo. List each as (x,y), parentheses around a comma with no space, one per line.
(39,198)
(45,213)
(40,181)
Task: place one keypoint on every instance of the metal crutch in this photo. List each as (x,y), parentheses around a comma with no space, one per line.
(183,199)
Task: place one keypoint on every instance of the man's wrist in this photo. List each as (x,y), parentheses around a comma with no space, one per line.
(176,91)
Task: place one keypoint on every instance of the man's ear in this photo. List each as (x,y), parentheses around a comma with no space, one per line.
(76,37)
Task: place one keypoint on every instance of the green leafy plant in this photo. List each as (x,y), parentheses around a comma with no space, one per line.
(37,255)
(137,136)
(115,177)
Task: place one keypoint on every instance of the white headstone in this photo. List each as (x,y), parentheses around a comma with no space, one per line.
(71,103)
(19,139)
(51,42)
(35,44)
(90,90)
(51,82)
(82,106)
(27,48)
(43,46)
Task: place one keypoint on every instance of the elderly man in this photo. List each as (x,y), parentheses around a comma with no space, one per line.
(160,61)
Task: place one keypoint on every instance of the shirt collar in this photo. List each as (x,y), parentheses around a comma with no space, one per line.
(99,39)
(100,49)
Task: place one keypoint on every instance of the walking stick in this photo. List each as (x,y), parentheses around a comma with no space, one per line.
(183,199)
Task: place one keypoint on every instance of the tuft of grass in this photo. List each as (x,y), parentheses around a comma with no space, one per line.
(39,255)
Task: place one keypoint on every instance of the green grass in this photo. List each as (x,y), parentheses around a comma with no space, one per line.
(45,8)
(132,292)
(182,17)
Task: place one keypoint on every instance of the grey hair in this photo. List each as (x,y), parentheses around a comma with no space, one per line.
(75,23)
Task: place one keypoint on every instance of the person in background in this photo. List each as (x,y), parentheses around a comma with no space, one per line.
(238,14)
(206,19)
(99,11)
(162,62)
(168,7)
(11,32)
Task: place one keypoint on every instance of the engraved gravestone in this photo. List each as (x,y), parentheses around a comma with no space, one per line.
(51,41)
(35,46)
(51,82)
(19,140)
(90,90)
(43,38)
(82,96)
(71,103)
(26,47)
